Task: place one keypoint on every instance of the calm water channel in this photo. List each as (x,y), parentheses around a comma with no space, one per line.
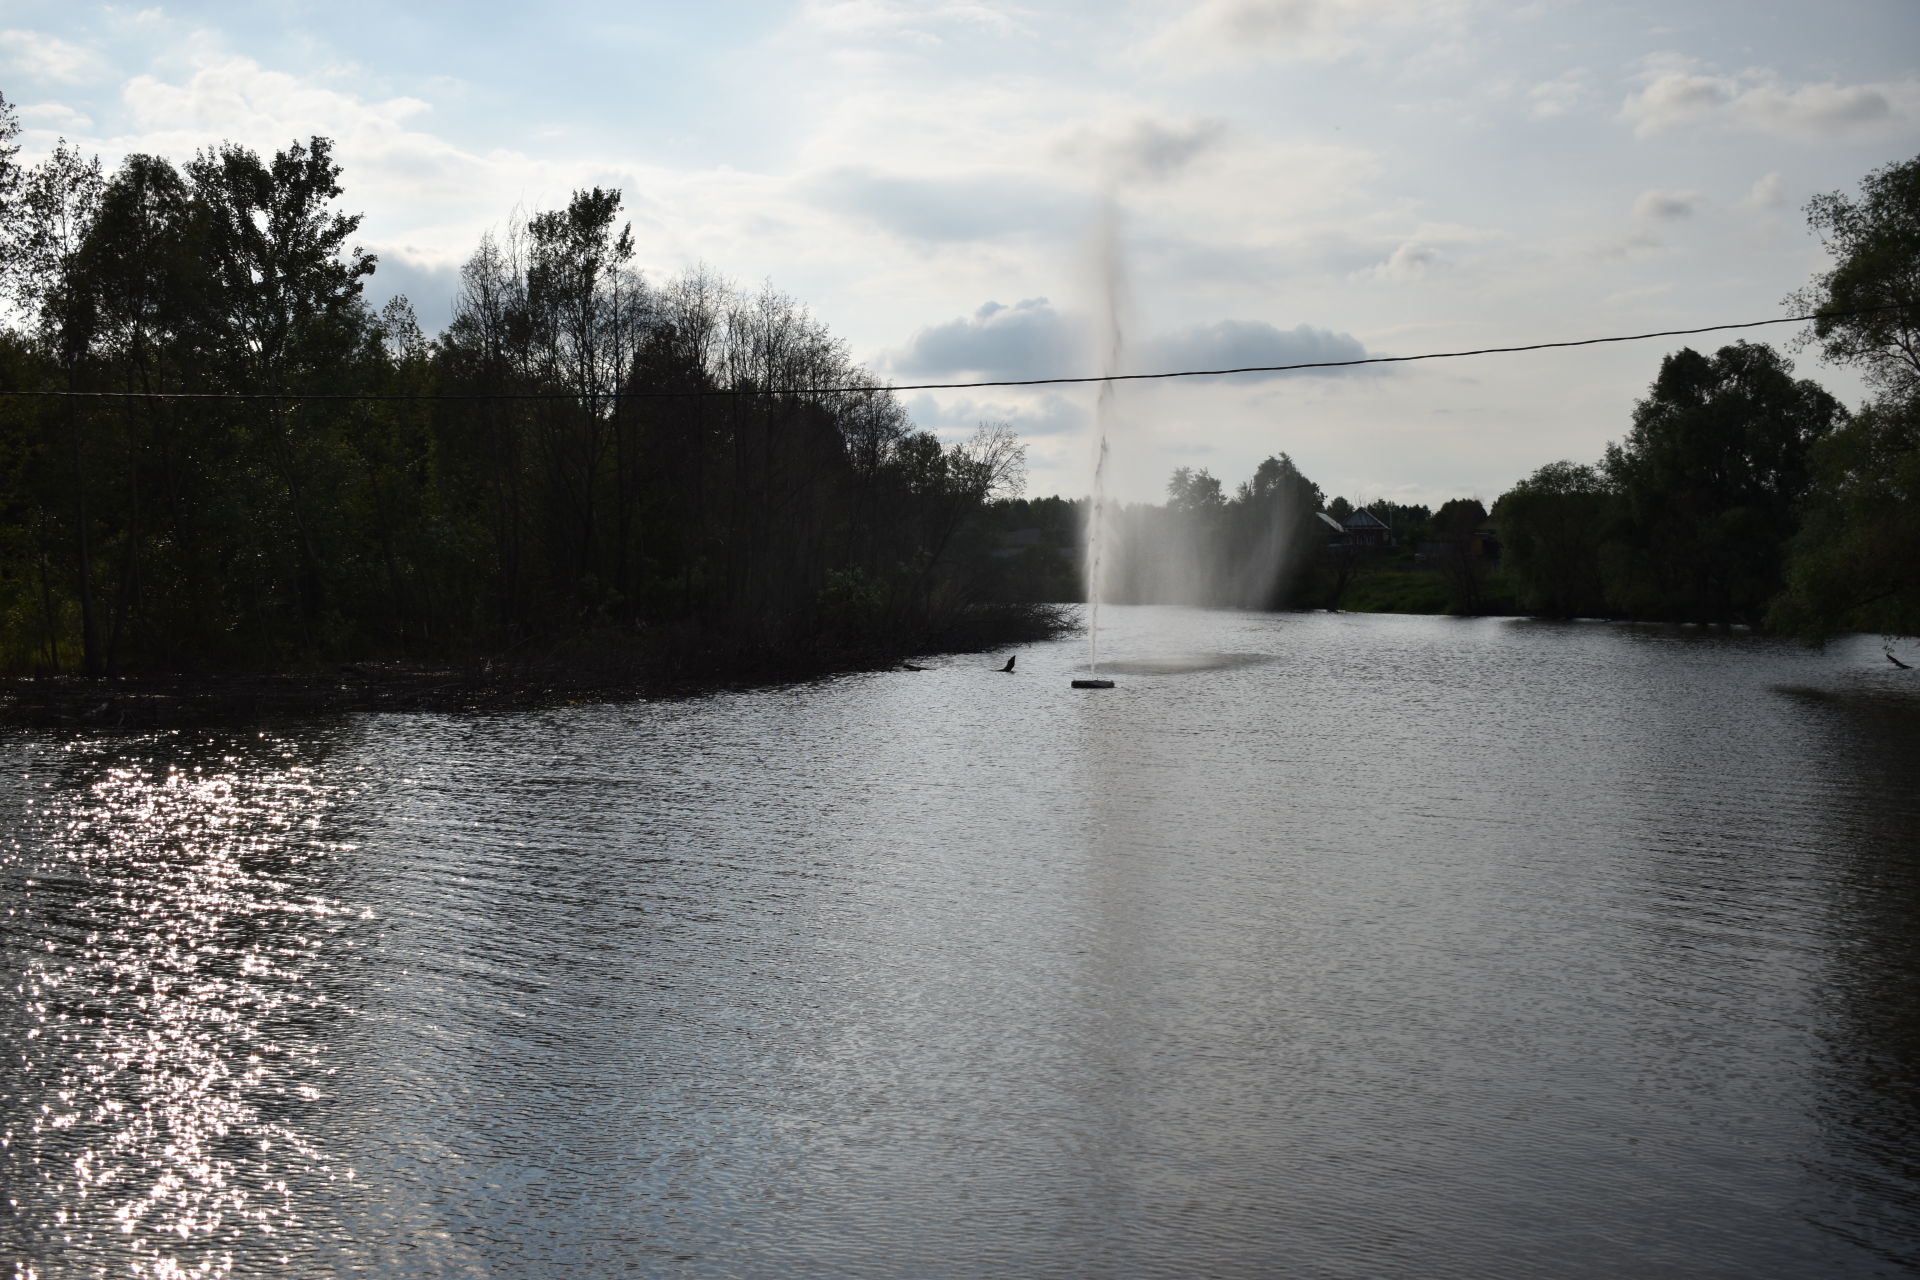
(1323,946)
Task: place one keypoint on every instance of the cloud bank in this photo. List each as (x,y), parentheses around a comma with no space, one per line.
(1216,32)
(1664,205)
(1032,339)
(1675,91)
(1027,340)
(1237,344)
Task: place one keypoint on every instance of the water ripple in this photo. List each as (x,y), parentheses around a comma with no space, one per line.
(1323,946)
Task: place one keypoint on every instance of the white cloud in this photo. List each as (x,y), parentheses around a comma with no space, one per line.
(237,98)
(950,207)
(1221,31)
(956,416)
(1769,192)
(1674,91)
(1249,197)
(427,200)
(54,117)
(1643,293)
(1240,344)
(37,56)
(1408,260)
(1143,148)
(908,122)
(893,162)
(902,17)
(1558,96)
(121,16)
(1664,204)
(1628,247)
(1029,339)
(1032,339)
(391,165)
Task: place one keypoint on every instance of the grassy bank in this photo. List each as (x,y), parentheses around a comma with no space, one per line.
(1393,581)
(596,667)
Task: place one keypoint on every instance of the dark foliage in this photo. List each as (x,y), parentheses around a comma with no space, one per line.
(1706,485)
(1856,560)
(1551,526)
(620,482)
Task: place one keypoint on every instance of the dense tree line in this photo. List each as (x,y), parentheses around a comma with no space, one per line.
(1689,517)
(590,455)
(1275,543)
(1742,494)
(583,454)
(1855,562)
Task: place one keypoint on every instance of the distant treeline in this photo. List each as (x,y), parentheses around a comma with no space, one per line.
(1262,547)
(563,500)
(1743,495)
(1275,543)
(591,462)
(1739,494)
(1690,518)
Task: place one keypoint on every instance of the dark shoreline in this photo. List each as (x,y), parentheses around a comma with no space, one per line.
(603,674)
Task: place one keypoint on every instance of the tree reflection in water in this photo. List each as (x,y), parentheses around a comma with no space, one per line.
(1872,1107)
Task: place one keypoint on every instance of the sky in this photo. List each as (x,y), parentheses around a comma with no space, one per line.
(1284,180)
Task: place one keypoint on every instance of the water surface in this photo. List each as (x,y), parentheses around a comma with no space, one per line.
(1322,946)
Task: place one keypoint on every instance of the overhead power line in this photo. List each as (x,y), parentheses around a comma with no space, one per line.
(654,394)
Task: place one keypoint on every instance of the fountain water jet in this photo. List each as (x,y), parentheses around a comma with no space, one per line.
(1105,412)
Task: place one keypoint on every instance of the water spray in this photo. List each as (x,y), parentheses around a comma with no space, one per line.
(1103,416)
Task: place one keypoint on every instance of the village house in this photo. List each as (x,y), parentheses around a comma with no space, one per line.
(1361,529)
(1364,529)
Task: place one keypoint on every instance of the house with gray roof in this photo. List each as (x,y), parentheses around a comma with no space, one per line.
(1365,529)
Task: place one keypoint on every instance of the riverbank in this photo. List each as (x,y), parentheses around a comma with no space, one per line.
(1396,580)
(591,670)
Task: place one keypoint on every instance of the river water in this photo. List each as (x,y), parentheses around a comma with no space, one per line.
(1325,945)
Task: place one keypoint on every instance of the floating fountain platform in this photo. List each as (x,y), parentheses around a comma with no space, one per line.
(1093,684)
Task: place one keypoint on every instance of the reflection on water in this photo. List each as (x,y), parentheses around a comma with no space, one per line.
(1170,664)
(1322,946)
(1871,1104)
(167,908)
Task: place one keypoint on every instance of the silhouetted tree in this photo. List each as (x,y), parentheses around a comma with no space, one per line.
(1875,243)
(56,203)
(9,183)
(693,473)
(1263,548)
(280,312)
(1708,479)
(135,268)
(1278,540)
(1408,522)
(1551,525)
(1456,527)
(1856,561)
(1194,491)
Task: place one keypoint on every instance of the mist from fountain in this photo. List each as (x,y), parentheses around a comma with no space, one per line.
(1105,417)
(1243,548)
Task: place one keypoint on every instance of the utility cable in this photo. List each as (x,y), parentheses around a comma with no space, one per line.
(656,394)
